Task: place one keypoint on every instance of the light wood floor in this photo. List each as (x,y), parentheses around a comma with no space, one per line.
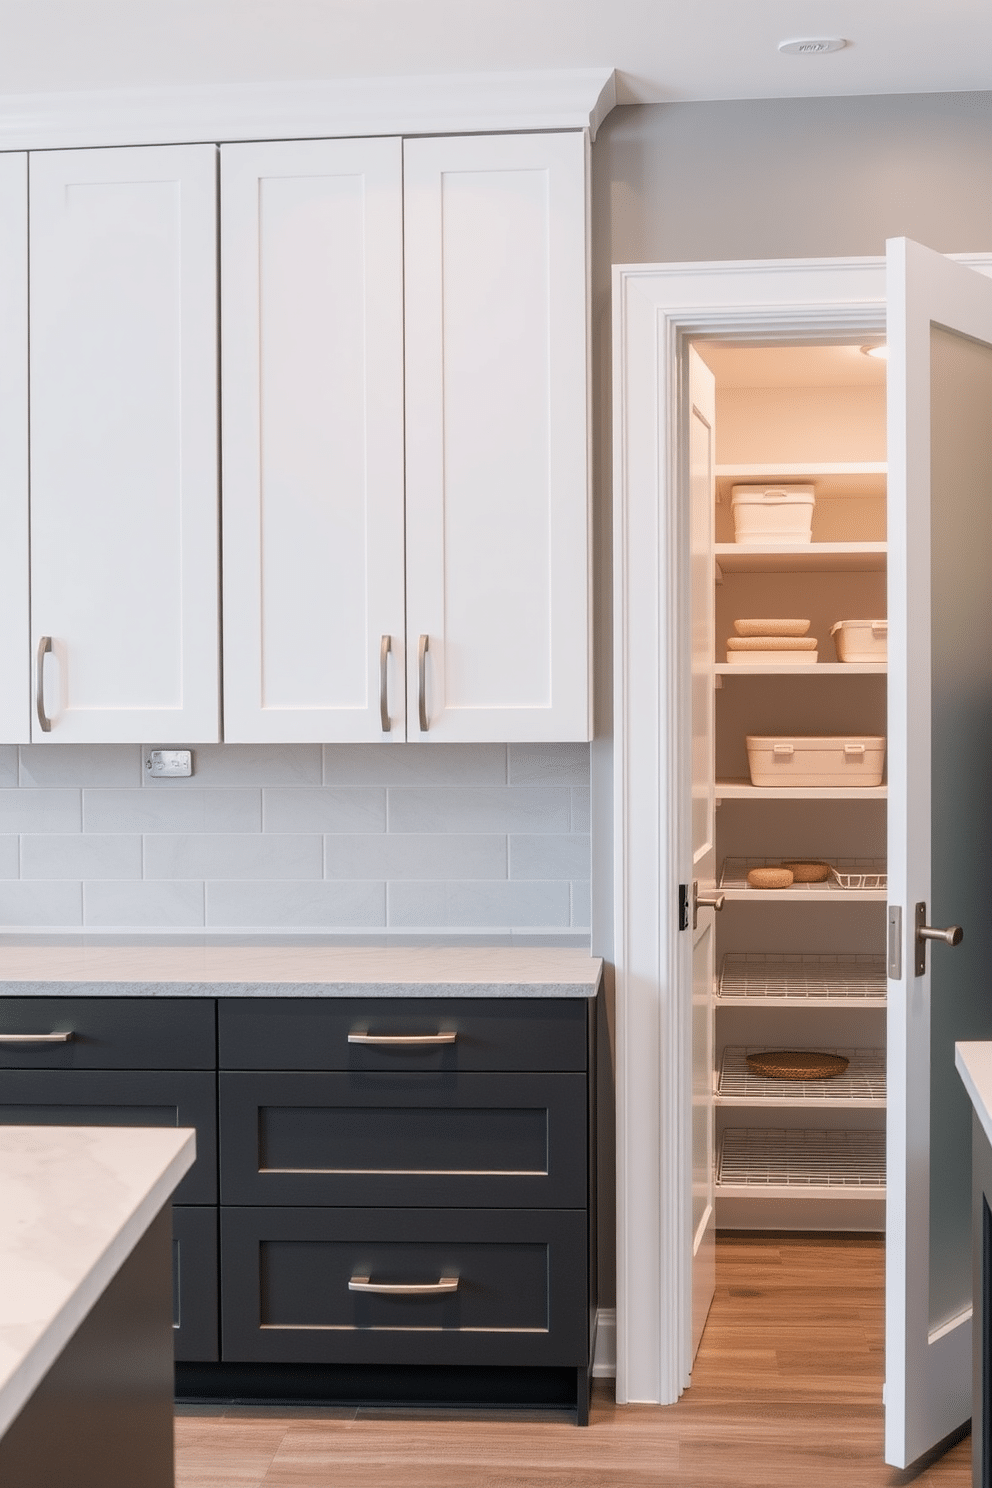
(786,1393)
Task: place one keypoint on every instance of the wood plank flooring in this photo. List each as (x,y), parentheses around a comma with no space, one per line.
(786,1393)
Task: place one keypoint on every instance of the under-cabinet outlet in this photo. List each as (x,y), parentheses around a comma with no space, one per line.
(169,762)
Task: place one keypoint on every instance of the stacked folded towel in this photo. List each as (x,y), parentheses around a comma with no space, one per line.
(772,643)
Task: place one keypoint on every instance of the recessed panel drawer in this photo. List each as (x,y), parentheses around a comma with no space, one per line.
(403,1033)
(118,1098)
(404,1287)
(377,1138)
(107,1033)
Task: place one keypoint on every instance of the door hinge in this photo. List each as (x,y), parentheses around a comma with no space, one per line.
(683,906)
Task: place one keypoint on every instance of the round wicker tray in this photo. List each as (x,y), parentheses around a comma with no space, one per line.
(797,1064)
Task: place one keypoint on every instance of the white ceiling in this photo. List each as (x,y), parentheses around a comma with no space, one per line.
(662,49)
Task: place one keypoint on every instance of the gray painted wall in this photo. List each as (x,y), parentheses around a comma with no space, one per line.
(777,178)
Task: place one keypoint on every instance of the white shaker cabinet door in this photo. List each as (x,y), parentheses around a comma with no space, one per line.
(496,437)
(312,353)
(124,444)
(15,667)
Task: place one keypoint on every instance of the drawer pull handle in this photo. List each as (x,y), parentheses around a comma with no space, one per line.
(36,1038)
(44,649)
(406,1289)
(409,1040)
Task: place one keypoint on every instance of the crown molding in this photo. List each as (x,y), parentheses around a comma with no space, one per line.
(456,103)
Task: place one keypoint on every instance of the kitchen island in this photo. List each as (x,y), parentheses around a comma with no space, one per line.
(85,1307)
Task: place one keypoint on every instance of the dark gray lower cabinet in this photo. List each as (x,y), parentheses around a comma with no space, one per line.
(195,1283)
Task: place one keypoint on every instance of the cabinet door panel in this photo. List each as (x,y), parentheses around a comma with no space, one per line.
(124,442)
(496,419)
(312,275)
(195,1283)
(520,1298)
(14,639)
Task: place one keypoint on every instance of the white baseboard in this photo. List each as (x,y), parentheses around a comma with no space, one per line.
(604,1348)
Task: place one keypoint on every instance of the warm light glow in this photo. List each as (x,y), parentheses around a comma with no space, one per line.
(881,351)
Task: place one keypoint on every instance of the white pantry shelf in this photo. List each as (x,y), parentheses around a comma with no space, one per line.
(752,978)
(862,1085)
(783,1162)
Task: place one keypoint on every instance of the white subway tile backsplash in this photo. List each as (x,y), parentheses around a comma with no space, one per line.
(80,764)
(479,809)
(548,764)
(415,855)
(190,810)
(40,903)
(369,843)
(415,764)
(471,903)
(234,855)
(143,904)
(552,855)
(53,810)
(244,764)
(324,905)
(327,809)
(80,855)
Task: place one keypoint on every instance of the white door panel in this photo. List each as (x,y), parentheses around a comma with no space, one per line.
(940,821)
(497,499)
(124,442)
(15,669)
(312,340)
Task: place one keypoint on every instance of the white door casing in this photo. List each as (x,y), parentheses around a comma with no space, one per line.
(656,309)
(124,443)
(312,353)
(497,500)
(15,665)
(940,805)
(701,866)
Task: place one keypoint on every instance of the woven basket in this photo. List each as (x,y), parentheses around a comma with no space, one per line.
(797,1064)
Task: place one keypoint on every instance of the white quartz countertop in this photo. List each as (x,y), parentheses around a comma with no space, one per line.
(74,1202)
(974,1063)
(296,971)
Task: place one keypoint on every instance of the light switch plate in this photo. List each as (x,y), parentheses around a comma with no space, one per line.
(169,762)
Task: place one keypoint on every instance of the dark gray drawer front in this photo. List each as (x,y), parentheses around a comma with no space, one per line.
(118,1098)
(110,1033)
(447,1140)
(312,1034)
(520,1296)
(195,1311)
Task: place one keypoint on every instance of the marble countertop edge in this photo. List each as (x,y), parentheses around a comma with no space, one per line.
(20,1382)
(974,1065)
(411,989)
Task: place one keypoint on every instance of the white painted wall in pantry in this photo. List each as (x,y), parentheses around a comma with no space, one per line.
(460,841)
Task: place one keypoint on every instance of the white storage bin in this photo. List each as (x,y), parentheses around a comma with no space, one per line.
(772,516)
(828,759)
(861,640)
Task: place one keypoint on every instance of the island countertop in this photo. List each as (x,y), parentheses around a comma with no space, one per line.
(164,970)
(974,1065)
(74,1201)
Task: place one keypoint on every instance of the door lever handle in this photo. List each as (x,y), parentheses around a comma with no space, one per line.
(704,901)
(952,936)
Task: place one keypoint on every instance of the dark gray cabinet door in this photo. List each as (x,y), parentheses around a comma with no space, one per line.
(108,1033)
(494,1286)
(195,1279)
(446,1140)
(122,1098)
(319,1033)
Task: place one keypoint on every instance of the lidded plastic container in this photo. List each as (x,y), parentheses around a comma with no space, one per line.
(861,640)
(802,761)
(772,516)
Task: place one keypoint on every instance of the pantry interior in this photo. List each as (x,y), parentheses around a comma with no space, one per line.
(803,967)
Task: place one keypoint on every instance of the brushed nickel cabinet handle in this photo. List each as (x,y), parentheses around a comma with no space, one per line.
(384,648)
(422,650)
(44,649)
(36,1038)
(401,1039)
(952,936)
(410,1289)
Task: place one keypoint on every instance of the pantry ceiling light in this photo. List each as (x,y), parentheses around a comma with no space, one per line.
(881,351)
(812,46)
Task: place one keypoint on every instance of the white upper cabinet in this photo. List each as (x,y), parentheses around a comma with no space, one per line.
(497,509)
(312,418)
(124,592)
(15,726)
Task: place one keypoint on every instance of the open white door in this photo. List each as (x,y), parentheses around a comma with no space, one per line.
(940,822)
(702,405)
